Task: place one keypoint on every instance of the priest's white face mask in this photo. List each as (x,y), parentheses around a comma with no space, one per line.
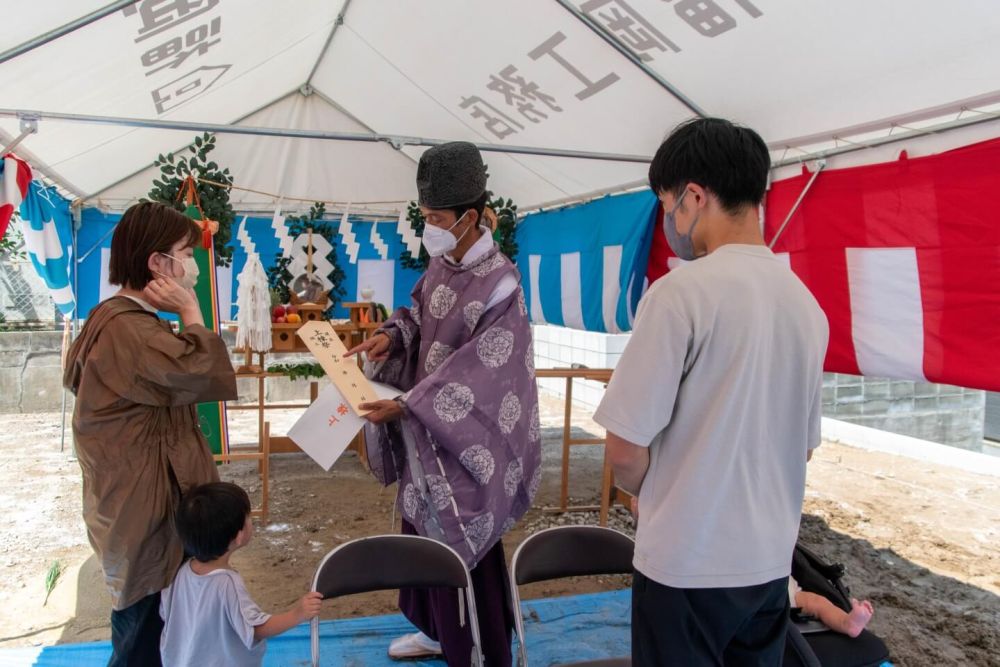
(439,241)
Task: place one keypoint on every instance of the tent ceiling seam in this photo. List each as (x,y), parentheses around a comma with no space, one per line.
(599,30)
(326,98)
(97,193)
(448,111)
(339,21)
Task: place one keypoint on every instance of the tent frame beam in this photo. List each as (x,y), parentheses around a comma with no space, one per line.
(929,113)
(801,160)
(601,32)
(65,29)
(854,146)
(396,141)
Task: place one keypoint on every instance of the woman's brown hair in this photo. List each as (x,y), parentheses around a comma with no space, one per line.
(146,228)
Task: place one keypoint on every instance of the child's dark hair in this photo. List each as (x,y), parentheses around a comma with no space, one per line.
(210,517)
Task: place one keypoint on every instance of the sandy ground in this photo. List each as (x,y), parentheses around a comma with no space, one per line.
(921,541)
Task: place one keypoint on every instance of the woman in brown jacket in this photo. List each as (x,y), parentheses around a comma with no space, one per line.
(137,434)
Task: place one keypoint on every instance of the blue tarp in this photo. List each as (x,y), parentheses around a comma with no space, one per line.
(572,628)
(580,627)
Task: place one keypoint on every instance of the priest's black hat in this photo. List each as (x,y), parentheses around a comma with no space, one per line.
(450,175)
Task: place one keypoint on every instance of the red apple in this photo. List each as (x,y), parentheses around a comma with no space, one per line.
(279,320)
(291,310)
(278,311)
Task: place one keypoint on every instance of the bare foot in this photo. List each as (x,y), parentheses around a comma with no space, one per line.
(855,622)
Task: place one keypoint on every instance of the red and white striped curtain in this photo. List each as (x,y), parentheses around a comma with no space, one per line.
(15,176)
(904,258)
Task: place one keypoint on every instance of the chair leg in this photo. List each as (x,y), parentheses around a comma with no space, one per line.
(314,641)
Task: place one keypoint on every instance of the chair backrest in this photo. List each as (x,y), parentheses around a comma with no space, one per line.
(394,561)
(572,551)
(567,551)
(388,562)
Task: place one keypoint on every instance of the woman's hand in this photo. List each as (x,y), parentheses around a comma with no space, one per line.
(382,411)
(377,347)
(166,295)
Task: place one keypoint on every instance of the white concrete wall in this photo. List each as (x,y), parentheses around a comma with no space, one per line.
(559,347)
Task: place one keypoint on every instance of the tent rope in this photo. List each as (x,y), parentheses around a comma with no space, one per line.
(308,200)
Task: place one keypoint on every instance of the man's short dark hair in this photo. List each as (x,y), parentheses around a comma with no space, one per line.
(210,517)
(146,228)
(478,206)
(730,161)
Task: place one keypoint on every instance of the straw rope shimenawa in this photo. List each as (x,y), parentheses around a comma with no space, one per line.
(489,216)
(310,200)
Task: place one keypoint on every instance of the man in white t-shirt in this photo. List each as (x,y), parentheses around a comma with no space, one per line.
(713,411)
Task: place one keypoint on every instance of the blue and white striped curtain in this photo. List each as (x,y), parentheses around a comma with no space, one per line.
(584,267)
(48,237)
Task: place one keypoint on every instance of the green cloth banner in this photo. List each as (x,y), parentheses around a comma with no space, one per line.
(211,416)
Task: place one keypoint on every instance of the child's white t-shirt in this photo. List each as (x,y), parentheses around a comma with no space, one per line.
(209,620)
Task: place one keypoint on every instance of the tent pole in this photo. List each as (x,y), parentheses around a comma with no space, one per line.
(802,195)
(632,58)
(47,37)
(396,141)
(17,140)
(901,120)
(582,198)
(99,242)
(29,126)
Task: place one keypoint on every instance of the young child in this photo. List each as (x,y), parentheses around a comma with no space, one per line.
(209,618)
(832,616)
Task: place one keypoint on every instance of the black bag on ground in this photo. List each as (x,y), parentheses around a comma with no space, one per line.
(826,648)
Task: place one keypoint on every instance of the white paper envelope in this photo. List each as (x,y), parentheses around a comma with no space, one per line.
(329,425)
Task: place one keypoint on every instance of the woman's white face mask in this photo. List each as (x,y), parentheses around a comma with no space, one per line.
(439,241)
(191,270)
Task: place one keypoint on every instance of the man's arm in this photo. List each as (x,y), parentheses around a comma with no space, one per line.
(629,461)
(640,398)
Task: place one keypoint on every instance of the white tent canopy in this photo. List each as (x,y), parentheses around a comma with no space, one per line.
(606,77)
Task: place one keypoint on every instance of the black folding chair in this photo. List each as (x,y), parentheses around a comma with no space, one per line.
(568,551)
(395,561)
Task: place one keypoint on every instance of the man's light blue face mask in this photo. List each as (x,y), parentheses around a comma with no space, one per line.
(681,244)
